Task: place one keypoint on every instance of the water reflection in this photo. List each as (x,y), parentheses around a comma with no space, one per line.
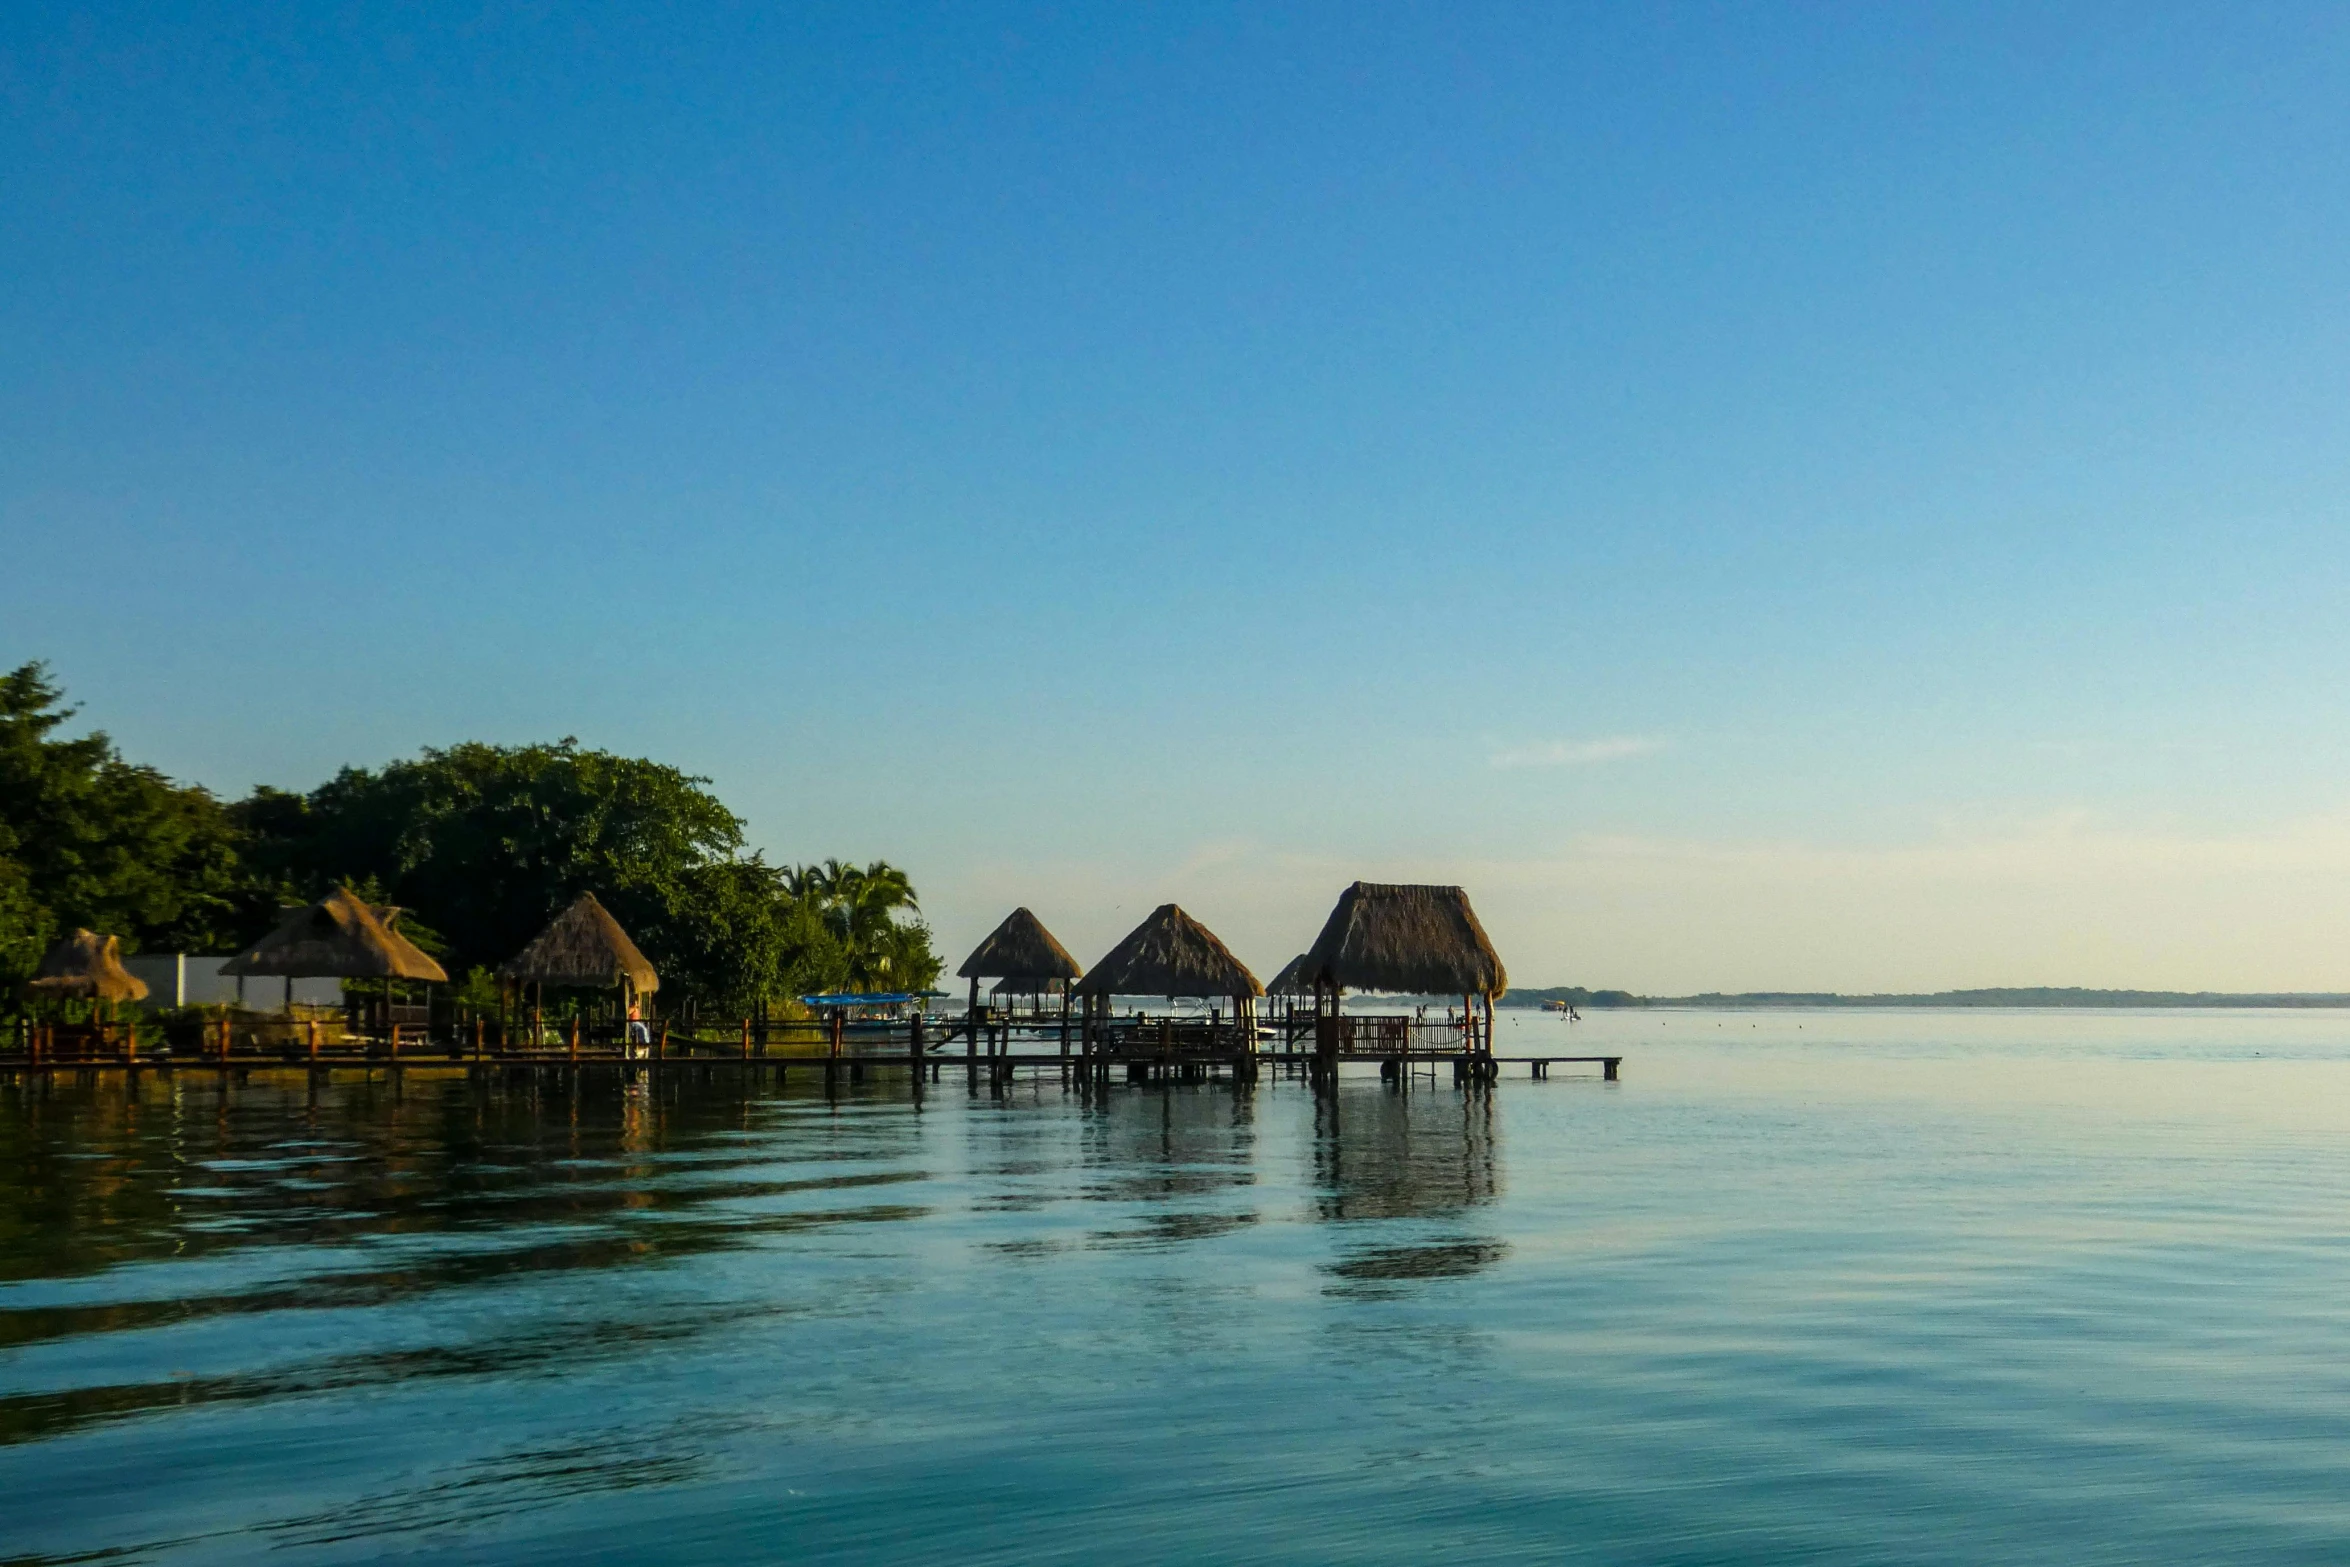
(1176,1141)
(1381,1154)
(140,1208)
(1765,1303)
(175,1243)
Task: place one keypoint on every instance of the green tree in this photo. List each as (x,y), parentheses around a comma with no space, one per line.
(874,920)
(481,843)
(487,842)
(98,842)
(24,925)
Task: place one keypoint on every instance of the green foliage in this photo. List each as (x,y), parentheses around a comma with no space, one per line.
(488,841)
(874,923)
(96,841)
(24,925)
(480,844)
(478,990)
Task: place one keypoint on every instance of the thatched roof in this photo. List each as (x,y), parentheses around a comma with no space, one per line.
(1291,981)
(1416,940)
(1020,948)
(1170,954)
(583,945)
(338,937)
(87,966)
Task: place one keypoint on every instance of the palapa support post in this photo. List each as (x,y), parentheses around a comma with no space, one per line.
(224,1039)
(480,1031)
(1325,1066)
(575,1036)
(1064,1017)
(661,1042)
(395,1034)
(746,1037)
(311,1039)
(914,1052)
(971,1036)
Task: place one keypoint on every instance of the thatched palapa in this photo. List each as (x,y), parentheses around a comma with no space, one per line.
(338,937)
(1170,954)
(1413,940)
(1020,949)
(1291,981)
(86,966)
(584,946)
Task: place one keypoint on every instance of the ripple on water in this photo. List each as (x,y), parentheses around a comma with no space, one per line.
(1850,1289)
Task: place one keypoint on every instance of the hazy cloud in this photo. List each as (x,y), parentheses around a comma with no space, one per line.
(1577,753)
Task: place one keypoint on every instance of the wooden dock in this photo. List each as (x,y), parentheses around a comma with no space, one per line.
(853,1068)
(923,1048)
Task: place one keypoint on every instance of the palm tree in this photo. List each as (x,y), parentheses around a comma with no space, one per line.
(859,907)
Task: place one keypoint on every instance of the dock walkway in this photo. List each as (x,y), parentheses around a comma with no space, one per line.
(1139,1054)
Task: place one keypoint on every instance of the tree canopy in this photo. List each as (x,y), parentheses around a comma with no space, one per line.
(89,839)
(484,843)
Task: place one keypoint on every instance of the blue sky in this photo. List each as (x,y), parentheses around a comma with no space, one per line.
(1765,496)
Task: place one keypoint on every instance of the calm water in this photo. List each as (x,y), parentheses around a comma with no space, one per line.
(1817,1288)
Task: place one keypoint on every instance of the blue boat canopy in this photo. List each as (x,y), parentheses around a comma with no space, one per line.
(863,998)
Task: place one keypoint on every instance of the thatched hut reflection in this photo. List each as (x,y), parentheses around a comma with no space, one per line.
(1384,1155)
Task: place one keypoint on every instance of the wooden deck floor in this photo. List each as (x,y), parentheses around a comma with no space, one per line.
(936,1066)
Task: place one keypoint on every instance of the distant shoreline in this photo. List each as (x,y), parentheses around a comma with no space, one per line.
(2051,998)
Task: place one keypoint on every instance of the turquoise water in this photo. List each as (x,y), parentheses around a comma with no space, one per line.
(1810,1288)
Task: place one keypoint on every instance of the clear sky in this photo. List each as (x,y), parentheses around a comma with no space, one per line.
(1766,497)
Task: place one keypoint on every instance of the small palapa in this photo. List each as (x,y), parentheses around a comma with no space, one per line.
(86,966)
(582,946)
(1170,954)
(1410,940)
(338,937)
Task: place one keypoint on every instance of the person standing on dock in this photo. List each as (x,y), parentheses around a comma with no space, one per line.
(640,1033)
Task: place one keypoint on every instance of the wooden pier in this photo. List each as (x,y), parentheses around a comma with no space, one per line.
(986,1049)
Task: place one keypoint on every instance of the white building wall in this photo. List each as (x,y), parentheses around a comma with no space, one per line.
(191,979)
